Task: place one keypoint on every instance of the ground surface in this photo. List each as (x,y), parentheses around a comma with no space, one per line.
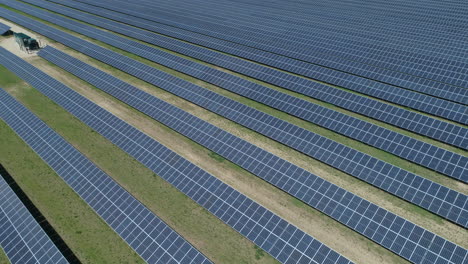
(11,45)
(3,257)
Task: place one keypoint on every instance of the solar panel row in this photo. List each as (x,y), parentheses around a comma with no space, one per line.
(3,28)
(149,236)
(431,196)
(21,237)
(282,174)
(412,121)
(438,159)
(311,53)
(408,186)
(273,234)
(350,47)
(379,90)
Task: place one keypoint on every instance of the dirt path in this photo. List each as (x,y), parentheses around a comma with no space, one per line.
(9,42)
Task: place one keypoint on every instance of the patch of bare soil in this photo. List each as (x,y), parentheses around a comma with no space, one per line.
(9,42)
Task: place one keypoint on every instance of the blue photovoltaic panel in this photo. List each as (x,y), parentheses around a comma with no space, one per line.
(273,234)
(424,154)
(21,237)
(399,182)
(240,151)
(320,194)
(413,77)
(149,236)
(410,99)
(3,28)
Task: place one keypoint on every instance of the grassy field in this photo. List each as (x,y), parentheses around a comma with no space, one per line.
(3,257)
(285,205)
(209,234)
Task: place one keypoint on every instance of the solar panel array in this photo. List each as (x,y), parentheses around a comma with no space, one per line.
(386,92)
(326,197)
(422,124)
(304,14)
(353,102)
(355,46)
(277,237)
(199,9)
(418,190)
(370,64)
(3,28)
(430,195)
(446,162)
(362,166)
(388,140)
(273,234)
(21,237)
(416,77)
(148,235)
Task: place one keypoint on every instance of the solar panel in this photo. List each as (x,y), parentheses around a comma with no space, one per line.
(273,234)
(148,235)
(360,215)
(400,96)
(439,130)
(21,237)
(418,75)
(446,162)
(3,28)
(399,182)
